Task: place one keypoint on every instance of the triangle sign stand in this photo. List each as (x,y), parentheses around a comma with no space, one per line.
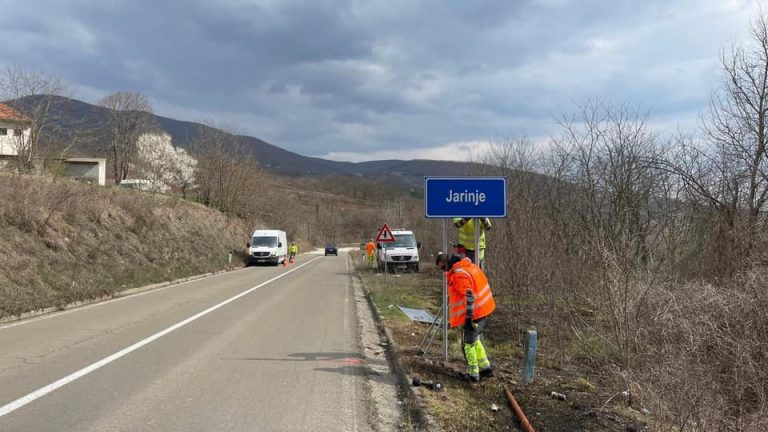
(385,234)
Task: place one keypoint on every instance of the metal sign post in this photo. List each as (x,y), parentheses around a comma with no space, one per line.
(385,236)
(384,248)
(474,197)
(445,294)
(477,242)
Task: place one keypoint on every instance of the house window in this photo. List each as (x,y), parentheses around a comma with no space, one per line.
(17,132)
(3,131)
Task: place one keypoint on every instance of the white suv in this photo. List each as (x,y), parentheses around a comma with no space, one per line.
(401,254)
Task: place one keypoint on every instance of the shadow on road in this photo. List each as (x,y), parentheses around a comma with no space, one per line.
(316,356)
(345,363)
(361,370)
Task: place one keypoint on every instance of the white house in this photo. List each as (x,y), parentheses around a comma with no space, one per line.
(14,130)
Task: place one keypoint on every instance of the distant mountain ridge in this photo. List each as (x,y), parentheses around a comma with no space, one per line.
(73,114)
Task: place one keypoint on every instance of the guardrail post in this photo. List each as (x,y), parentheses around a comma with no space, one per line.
(530,356)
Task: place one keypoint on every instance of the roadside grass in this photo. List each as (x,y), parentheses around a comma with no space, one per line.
(461,407)
(403,290)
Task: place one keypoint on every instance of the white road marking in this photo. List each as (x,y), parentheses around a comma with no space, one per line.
(18,403)
(101,303)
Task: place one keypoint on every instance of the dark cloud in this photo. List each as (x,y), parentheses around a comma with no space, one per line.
(360,75)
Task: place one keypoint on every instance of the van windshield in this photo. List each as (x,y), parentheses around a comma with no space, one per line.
(405,240)
(264,241)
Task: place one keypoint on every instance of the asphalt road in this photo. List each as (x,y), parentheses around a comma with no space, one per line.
(263,348)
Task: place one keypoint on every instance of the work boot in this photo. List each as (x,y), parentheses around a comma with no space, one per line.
(486,372)
(472,379)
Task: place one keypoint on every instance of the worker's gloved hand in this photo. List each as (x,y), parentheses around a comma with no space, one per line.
(468,323)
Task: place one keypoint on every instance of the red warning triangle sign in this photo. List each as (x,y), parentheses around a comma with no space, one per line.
(385,234)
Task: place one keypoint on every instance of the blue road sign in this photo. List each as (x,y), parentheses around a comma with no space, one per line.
(448,197)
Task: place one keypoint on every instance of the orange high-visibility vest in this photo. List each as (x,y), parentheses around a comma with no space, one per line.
(468,289)
(370,248)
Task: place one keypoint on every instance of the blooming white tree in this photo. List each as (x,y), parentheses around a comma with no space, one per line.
(164,166)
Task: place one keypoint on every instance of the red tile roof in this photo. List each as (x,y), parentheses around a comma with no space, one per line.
(9,114)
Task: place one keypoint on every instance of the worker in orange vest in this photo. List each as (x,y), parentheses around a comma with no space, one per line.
(470,302)
(370,250)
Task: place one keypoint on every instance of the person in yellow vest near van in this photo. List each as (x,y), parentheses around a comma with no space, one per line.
(466,228)
(292,251)
(470,302)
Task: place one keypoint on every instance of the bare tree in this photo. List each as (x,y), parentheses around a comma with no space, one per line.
(226,176)
(728,171)
(604,213)
(130,115)
(36,95)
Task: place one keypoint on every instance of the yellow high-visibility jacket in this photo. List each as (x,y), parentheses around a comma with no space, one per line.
(467,231)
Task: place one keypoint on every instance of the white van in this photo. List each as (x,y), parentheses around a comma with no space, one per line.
(267,246)
(401,254)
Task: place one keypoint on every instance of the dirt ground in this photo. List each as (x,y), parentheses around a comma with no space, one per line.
(594,401)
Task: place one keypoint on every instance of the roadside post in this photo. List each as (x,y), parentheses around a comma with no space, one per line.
(229,262)
(529,368)
(385,236)
(451,197)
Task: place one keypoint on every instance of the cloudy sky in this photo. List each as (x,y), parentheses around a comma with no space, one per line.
(376,79)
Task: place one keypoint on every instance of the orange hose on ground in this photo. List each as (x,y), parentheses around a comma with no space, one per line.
(520,414)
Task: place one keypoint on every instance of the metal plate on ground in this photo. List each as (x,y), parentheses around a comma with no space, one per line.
(418,315)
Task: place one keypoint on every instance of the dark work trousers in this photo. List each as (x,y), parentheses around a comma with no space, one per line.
(471,255)
(472,333)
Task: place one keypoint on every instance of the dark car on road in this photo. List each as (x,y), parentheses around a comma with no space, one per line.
(330,249)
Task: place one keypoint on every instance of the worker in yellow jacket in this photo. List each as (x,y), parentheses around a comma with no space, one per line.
(466,228)
(293,250)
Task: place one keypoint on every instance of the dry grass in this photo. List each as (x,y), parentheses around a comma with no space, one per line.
(64,241)
(706,355)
